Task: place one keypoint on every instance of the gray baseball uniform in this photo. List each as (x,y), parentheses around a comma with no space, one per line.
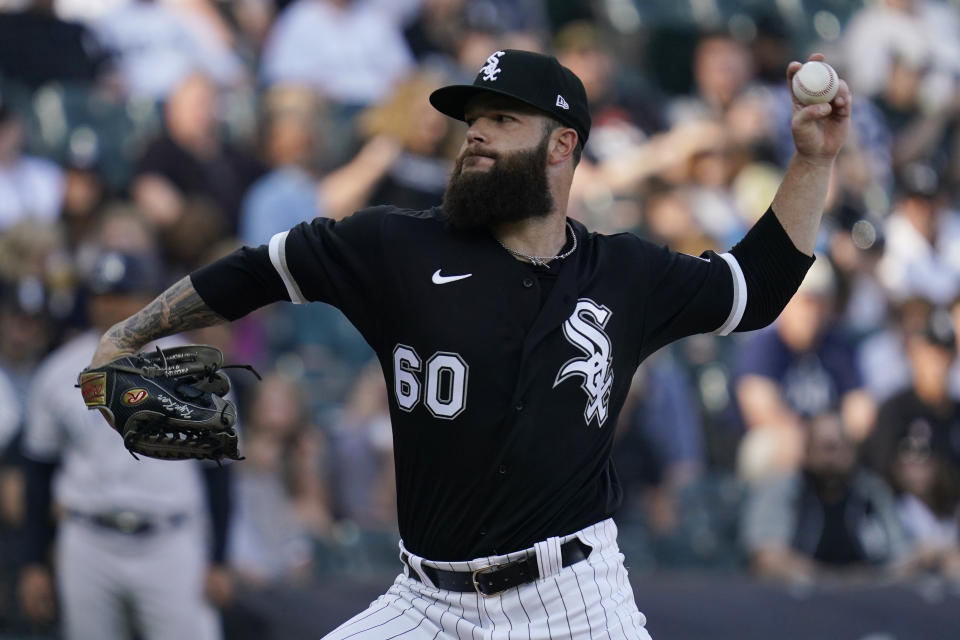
(133,536)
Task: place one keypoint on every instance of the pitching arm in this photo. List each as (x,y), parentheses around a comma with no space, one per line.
(819,130)
(776,253)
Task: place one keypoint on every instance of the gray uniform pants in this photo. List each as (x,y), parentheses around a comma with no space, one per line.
(108,581)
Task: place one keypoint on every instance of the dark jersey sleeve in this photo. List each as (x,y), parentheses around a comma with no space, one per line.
(742,290)
(772,268)
(689,295)
(240,282)
(340,263)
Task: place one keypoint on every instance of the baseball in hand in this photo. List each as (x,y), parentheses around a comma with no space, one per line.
(815,82)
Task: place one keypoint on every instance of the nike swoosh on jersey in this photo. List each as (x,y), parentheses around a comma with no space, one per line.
(439,279)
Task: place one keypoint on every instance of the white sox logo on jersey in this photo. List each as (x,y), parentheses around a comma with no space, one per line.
(491,70)
(584,330)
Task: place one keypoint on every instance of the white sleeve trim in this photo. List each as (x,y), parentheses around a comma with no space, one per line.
(739,296)
(278,256)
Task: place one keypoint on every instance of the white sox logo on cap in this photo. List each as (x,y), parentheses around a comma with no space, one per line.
(491,70)
(538,80)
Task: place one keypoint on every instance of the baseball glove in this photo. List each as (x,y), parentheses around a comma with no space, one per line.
(168,404)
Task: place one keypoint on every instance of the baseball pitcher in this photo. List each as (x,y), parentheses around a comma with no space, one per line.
(508,334)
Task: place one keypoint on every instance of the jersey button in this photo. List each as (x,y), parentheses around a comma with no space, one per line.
(518,407)
(527,283)
(502,469)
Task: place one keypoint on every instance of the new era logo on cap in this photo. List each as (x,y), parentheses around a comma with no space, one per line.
(533,78)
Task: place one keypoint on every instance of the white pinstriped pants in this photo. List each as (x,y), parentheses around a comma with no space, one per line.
(590,599)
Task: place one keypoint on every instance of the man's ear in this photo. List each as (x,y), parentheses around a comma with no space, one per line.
(563,142)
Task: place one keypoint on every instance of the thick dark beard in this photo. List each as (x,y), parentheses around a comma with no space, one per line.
(515,188)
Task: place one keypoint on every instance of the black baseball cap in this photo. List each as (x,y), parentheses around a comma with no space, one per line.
(532,78)
(918,179)
(121,273)
(939,329)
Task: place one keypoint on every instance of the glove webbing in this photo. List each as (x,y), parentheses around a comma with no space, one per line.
(180,370)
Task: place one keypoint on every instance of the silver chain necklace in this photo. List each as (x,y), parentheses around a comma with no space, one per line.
(542,261)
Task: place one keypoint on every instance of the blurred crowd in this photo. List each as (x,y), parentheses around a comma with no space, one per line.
(167,133)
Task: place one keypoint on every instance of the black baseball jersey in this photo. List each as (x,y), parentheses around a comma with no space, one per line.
(503,400)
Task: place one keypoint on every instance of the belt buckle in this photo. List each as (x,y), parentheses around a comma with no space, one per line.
(127,522)
(487,569)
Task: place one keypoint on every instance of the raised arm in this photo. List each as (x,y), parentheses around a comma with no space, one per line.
(177,309)
(819,131)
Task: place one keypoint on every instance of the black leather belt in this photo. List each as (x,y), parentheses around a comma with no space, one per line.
(497,578)
(130,522)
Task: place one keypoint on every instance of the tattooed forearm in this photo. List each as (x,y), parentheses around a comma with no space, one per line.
(177,309)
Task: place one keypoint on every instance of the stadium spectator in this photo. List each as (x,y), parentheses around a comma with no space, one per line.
(771,49)
(799,368)
(477,39)
(928,504)
(669,219)
(828,519)
(27,329)
(281,495)
(660,448)
(253,19)
(710,173)
(922,132)
(348,52)
(119,225)
(10,412)
(915,446)
(362,444)
(191,160)
(955,370)
(85,193)
(433,34)
(602,187)
(880,31)
(159,44)
(922,252)
(722,69)
(925,409)
(293,191)
(853,239)
(417,176)
(624,108)
(882,355)
(37,47)
(30,186)
(85,10)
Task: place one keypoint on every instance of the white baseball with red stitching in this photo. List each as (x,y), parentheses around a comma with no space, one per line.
(815,82)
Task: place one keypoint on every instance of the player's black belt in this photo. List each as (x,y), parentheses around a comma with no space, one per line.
(497,578)
(130,522)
